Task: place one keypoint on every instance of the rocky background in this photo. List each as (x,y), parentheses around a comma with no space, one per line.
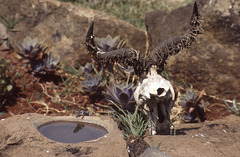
(63,26)
(212,63)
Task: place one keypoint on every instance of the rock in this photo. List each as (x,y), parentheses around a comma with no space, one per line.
(63,26)
(19,137)
(153,152)
(3,38)
(212,63)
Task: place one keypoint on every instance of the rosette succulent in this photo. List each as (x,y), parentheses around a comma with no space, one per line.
(91,83)
(120,94)
(50,63)
(87,68)
(31,48)
(191,101)
(108,43)
(39,60)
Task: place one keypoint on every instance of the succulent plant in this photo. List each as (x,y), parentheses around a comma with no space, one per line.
(91,83)
(126,72)
(191,101)
(87,68)
(31,48)
(50,63)
(120,94)
(39,60)
(108,43)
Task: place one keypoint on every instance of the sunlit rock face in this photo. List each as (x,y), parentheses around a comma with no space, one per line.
(63,27)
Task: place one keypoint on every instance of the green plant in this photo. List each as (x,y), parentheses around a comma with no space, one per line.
(69,69)
(35,52)
(235,107)
(6,81)
(156,146)
(10,24)
(132,124)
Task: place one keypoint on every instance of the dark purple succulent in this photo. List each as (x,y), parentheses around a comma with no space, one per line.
(50,63)
(87,68)
(191,102)
(120,94)
(108,43)
(31,48)
(39,60)
(91,83)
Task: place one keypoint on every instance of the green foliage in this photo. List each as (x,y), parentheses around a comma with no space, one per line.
(235,107)
(132,11)
(132,124)
(156,146)
(6,81)
(10,23)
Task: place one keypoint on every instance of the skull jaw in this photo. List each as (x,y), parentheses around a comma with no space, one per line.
(160,117)
(157,94)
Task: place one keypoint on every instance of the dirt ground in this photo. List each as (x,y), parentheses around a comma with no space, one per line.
(218,136)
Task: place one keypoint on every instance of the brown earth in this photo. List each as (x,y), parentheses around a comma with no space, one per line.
(217,138)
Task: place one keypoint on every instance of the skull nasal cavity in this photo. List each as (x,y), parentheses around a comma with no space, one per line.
(160,91)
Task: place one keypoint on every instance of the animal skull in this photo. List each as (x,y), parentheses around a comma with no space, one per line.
(157,96)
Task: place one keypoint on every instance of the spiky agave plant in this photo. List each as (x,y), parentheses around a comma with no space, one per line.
(191,102)
(121,95)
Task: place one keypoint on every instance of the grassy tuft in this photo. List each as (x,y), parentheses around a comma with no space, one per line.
(235,107)
(133,124)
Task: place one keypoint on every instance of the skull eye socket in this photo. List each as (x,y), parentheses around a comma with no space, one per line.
(160,91)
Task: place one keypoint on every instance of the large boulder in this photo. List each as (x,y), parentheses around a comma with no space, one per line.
(212,63)
(63,26)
